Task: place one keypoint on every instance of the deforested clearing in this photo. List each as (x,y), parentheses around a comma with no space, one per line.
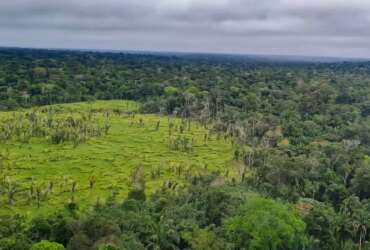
(90,152)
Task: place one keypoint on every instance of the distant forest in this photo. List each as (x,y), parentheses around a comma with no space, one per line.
(301,129)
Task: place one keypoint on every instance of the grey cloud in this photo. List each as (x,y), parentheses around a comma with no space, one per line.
(315,27)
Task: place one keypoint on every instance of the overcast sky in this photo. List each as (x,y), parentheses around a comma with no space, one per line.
(296,27)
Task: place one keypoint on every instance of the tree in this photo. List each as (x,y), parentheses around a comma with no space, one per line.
(266,224)
(356,220)
(170,90)
(164,236)
(322,223)
(203,239)
(360,183)
(108,247)
(47,245)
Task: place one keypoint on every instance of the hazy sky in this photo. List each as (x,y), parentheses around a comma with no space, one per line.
(302,27)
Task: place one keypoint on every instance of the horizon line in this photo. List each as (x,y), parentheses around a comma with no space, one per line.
(159,51)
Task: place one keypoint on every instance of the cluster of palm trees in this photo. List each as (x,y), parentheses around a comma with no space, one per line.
(181,143)
(39,192)
(56,128)
(185,125)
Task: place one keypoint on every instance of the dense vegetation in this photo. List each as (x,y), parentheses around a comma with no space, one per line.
(300,135)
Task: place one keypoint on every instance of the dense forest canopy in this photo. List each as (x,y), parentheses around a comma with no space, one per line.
(301,131)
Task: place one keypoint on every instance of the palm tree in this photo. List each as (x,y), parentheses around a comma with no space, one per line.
(11,190)
(157,125)
(92,181)
(73,191)
(38,196)
(164,236)
(51,187)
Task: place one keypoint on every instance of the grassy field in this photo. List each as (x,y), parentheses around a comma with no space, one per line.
(37,167)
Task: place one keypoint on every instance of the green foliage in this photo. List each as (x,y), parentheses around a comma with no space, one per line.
(266,224)
(323,224)
(47,245)
(171,90)
(203,239)
(108,247)
(361,181)
(14,243)
(12,236)
(137,194)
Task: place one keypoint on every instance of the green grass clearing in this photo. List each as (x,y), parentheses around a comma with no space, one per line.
(110,159)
